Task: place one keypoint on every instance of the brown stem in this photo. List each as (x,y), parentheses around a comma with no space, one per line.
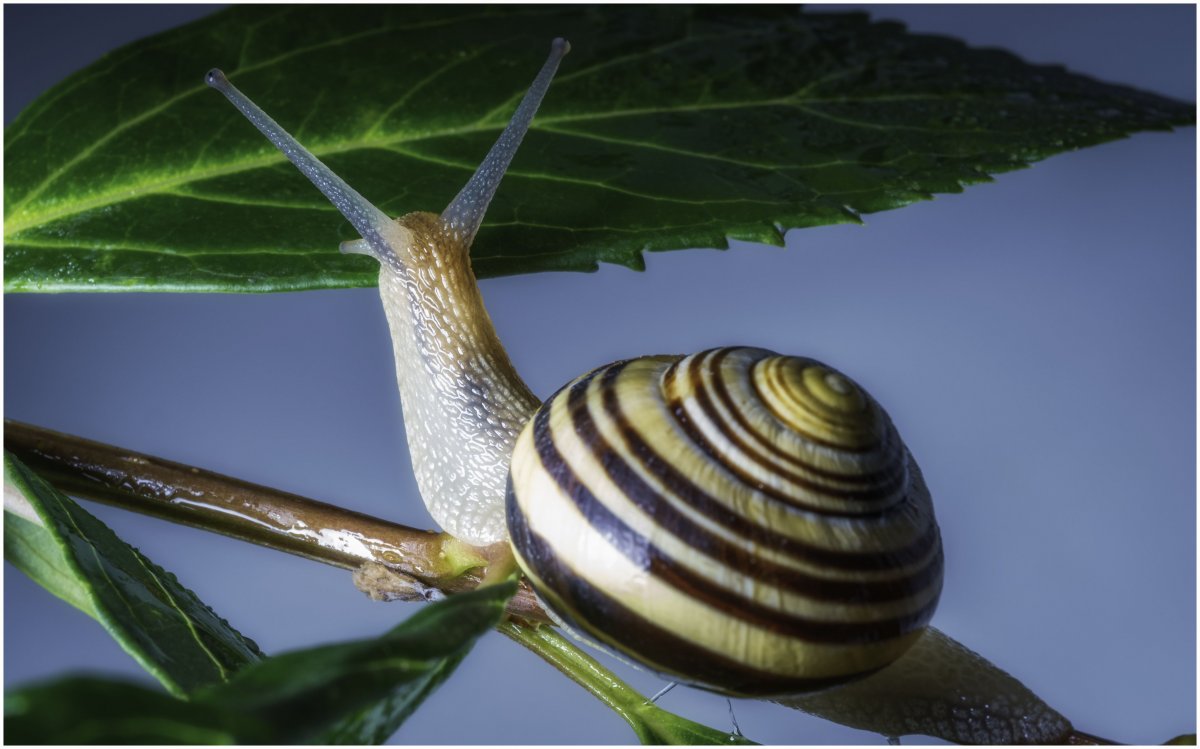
(251,512)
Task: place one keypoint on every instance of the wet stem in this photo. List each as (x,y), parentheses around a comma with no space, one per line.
(250,512)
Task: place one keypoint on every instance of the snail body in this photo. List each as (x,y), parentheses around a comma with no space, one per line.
(463,401)
(748,523)
(463,412)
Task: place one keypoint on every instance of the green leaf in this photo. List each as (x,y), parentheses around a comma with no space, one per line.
(659,727)
(328,693)
(353,693)
(89,710)
(669,127)
(32,549)
(163,625)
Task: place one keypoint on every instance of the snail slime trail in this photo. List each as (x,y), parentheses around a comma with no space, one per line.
(742,521)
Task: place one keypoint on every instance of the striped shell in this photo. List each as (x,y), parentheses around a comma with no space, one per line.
(742,521)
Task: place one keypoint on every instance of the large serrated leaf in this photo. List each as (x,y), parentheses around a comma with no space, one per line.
(355,692)
(669,127)
(162,624)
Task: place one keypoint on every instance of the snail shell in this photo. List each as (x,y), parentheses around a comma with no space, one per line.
(746,522)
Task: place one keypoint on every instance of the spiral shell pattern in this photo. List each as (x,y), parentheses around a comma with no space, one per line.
(742,521)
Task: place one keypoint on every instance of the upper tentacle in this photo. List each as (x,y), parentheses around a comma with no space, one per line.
(465,213)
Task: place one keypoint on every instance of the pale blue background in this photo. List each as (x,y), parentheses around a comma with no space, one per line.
(1034,340)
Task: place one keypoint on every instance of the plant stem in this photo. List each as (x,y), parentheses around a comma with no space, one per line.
(652,724)
(576,665)
(261,515)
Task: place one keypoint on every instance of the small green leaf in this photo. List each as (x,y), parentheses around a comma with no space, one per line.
(87,710)
(668,127)
(347,693)
(377,722)
(32,549)
(163,625)
(327,693)
(657,726)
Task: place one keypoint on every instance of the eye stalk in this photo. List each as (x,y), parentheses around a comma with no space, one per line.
(372,223)
(465,213)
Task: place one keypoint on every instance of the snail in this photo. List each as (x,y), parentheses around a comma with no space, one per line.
(746,522)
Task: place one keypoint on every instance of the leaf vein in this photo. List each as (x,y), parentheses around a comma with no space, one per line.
(187,620)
